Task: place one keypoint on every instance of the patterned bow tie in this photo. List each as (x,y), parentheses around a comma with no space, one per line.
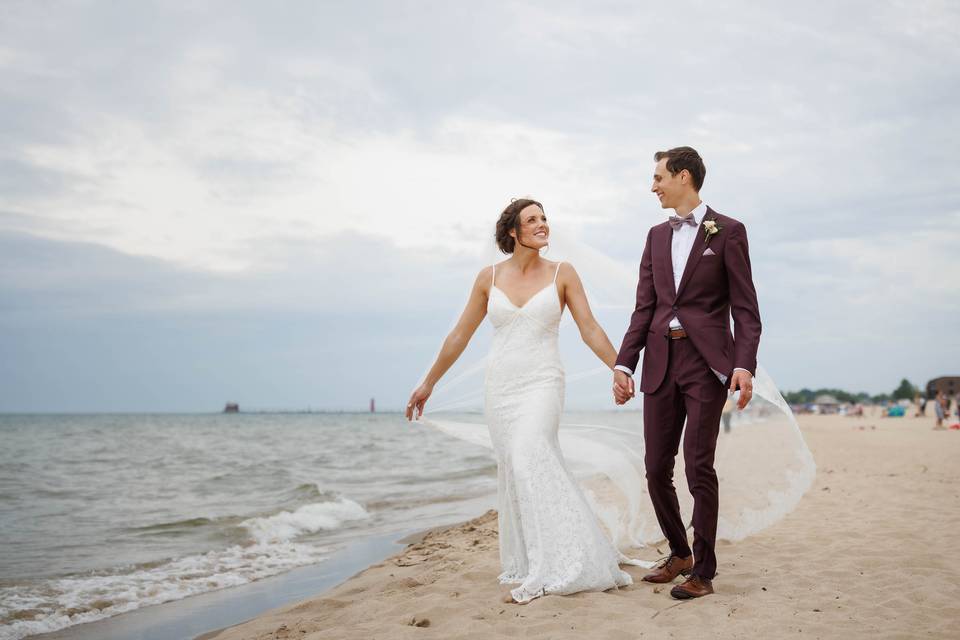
(676,221)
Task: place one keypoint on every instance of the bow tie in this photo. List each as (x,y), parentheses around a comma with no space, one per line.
(676,222)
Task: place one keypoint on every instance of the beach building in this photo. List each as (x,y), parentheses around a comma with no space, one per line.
(949,385)
(826,403)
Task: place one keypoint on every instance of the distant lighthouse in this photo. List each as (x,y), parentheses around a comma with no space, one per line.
(373,405)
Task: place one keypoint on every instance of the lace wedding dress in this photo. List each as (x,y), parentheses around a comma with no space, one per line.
(551,541)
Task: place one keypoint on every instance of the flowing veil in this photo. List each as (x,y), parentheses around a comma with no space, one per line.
(763,464)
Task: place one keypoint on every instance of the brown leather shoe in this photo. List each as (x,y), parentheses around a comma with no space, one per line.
(672,567)
(694,587)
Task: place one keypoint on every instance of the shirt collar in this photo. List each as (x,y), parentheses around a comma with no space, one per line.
(698,212)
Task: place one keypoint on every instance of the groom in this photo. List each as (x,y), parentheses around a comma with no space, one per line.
(694,274)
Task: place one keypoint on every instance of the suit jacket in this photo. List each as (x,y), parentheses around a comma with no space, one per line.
(712,288)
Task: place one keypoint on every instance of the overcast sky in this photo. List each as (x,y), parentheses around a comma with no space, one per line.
(284,205)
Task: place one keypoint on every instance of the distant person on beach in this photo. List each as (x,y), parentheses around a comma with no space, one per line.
(939,405)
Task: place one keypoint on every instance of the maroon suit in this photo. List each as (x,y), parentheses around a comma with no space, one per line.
(677,381)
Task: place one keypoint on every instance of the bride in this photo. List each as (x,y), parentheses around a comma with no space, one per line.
(551,542)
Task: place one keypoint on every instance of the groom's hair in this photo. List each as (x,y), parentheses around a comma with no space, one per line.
(510,219)
(680,158)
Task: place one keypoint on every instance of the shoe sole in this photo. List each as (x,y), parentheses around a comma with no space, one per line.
(679,594)
(685,573)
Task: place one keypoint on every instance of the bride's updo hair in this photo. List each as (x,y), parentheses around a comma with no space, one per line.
(510,219)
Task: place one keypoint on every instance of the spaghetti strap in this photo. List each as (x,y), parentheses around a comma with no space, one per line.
(557,272)
(493,275)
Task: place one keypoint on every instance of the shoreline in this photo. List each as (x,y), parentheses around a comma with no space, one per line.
(410,538)
(206,615)
(413,538)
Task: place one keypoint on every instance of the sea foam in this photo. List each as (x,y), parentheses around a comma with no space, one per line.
(59,603)
(309,518)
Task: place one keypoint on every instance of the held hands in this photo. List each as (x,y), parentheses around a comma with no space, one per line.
(744,381)
(417,399)
(623,388)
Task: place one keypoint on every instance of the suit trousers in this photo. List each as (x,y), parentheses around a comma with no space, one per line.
(690,391)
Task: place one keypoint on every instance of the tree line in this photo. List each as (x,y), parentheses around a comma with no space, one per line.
(905,391)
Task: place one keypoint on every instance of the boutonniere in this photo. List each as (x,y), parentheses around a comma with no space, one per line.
(710,229)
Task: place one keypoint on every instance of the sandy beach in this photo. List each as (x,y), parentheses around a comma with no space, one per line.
(867,553)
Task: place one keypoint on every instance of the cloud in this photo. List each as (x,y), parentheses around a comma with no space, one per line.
(45,278)
(87,328)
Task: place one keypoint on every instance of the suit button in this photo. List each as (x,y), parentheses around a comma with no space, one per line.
(674,307)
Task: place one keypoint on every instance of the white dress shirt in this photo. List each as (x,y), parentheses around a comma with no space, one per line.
(680,245)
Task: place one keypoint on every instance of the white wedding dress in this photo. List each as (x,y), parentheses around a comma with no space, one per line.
(551,541)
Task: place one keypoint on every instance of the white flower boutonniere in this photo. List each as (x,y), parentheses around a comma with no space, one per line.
(710,229)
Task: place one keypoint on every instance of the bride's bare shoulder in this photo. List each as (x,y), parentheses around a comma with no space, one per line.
(484,278)
(565,269)
(567,276)
(489,270)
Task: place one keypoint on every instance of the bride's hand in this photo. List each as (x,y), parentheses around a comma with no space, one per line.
(623,388)
(417,399)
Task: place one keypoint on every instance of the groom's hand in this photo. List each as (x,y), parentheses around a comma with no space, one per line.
(623,388)
(744,381)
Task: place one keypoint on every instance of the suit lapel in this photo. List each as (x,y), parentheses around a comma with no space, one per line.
(666,244)
(696,251)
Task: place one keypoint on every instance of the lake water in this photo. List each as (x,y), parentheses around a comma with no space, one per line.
(101,514)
